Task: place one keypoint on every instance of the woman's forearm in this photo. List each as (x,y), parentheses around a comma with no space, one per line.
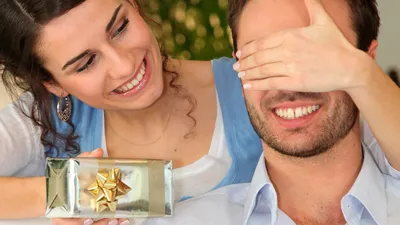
(22,197)
(379,102)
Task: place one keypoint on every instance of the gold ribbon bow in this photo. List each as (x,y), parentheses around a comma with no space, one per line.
(107,189)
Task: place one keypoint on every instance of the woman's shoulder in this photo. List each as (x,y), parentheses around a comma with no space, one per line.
(19,138)
(18,107)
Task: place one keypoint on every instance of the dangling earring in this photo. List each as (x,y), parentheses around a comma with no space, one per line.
(64,108)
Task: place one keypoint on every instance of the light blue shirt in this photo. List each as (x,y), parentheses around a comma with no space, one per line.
(373,199)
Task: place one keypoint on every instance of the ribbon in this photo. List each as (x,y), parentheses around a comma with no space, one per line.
(156,188)
(57,185)
(107,189)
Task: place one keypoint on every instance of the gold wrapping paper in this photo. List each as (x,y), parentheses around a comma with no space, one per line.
(108,188)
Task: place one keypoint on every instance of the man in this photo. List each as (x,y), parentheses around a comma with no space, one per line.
(314,169)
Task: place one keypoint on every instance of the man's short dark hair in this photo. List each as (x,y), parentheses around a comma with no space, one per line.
(394,75)
(364,15)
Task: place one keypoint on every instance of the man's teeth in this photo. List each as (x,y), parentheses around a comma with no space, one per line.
(129,86)
(294,113)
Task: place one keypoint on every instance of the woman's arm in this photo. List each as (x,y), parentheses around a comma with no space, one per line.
(21,154)
(26,197)
(22,197)
(378,99)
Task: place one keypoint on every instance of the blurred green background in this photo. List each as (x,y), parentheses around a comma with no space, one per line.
(192,29)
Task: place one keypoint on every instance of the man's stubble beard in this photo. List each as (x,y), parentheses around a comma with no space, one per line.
(336,126)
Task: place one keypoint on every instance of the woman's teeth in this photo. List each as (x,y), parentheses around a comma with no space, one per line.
(129,86)
(294,113)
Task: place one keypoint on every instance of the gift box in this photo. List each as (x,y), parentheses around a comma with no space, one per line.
(108,188)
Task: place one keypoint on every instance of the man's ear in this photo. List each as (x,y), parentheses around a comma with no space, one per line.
(372,49)
(54,88)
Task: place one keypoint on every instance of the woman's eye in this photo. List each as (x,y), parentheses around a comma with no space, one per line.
(122,28)
(88,64)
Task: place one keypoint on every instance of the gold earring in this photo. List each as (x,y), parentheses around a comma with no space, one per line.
(64,108)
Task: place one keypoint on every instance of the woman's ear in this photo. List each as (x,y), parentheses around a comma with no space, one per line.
(55,89)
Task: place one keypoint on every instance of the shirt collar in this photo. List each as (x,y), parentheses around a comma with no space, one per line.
(368,190)
(260,181)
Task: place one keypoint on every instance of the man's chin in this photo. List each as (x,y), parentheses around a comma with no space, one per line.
(299,148)
(296,153)
(293,138)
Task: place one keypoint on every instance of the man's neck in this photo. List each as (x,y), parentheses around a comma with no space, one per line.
(310,189)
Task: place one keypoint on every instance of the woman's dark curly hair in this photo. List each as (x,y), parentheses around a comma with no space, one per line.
(22,70)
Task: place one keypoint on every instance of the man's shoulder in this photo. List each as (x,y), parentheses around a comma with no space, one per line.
(221,206)
(393,200)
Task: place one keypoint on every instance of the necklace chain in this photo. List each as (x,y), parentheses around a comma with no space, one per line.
(149,143)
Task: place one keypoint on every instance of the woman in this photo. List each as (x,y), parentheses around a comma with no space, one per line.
(111,87)
(126,97)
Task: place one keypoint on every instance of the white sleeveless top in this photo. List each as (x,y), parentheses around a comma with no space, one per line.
(204,174)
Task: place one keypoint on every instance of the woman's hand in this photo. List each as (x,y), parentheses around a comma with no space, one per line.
(97,153)
(317,58)
(94,154)
(90,222)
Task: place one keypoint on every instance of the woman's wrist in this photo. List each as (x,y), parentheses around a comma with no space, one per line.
(366,75)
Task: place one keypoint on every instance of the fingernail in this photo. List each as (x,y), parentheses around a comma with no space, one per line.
(126,222)
(247,86)
(236,66)
(238,54)
(113,222)
(241,74)
(88,222)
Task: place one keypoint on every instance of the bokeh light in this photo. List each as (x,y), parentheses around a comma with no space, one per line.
(191,29)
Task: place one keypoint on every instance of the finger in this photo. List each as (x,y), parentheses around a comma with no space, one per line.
(264,71)
(260,58)
(124,222)
(112,222)
(95,153)
(90,222)
(106,222)
(273,83)
(317,12)
(72,221)
(271,41)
